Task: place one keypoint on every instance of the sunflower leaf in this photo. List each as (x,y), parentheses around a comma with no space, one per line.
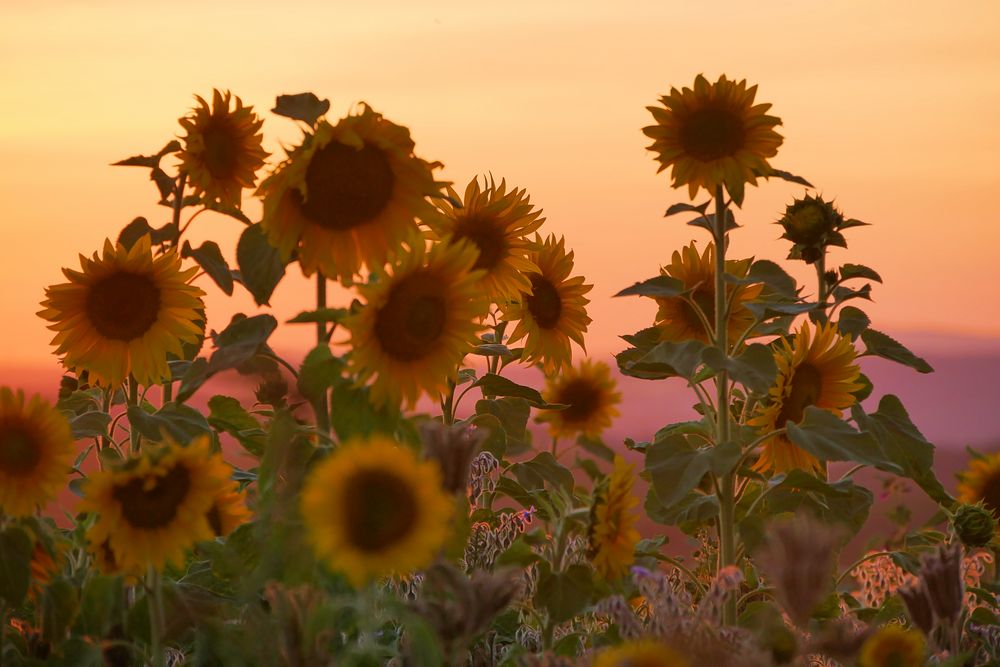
(707,222)
(763,310)
(880,345)
(769,273)
(542,469)
(668,359)
(841,502)
(563,594)
(228,416)
(15,565)
(512,413)
(675,467)
(231,211)
(754,368)
(209,257)
(138,228)
(848,271)
(180,422)
(852,321)
(829,438)
(689,514)
(786,176)
(320,370)
(93,424)
(336,315)
(497,385)
(302,106)
(684,207)
(660,286)
(261,268)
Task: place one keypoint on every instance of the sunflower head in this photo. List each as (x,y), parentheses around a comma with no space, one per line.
(373,508)
(418,322)
(155,507)
(498,222)
(677,320)
(980,483)
(36,453)
(554,312)
(975,525)
(714,134)
(815,368)
(612,536)
(348,196)
(812,224)
(124,312)
(589,392)
(222,148)
(893,646)
(641,653)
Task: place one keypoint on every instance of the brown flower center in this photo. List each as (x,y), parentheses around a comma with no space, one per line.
(346,186)
(381,510)
(544,302)
(222,149)
(583,398)
(123,306)
(19,451)
(152,502)
(807,384)
(215,520)
(488,236)
(413,318)
(712,133)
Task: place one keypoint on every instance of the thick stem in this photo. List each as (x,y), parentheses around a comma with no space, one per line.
(133,399)
(323,409)
(175,223)
(822,290)
(727,489)
(156,617)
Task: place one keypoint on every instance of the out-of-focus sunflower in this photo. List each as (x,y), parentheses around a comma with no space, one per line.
(612,535)
(373,509)
(222,148)
(893,646)
(554,313)
(36,453)
(589,391)
(981,482)
(418,322)
(154,508)
(677,320)
(229,510)
(641,653)
(498,223)
(348,196)
(714,135)
(124,313)
(815,368)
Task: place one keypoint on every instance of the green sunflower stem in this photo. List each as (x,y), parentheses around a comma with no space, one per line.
(133,400)
(175,223)
(822,289)
(727,489)
(323,409)
(156,617)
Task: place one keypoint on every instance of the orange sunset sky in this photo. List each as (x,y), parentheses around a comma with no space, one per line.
(891,108)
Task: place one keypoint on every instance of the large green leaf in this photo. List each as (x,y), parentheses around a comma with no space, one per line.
(675,466)
(770,274)
(659,286)
(320,370)
(852,321)
(754,368)
(93,424)
(693,511)
(302,106)
(512,414)
(663,360)
(903,444)
(229,416)
(497,385)
(235,346)
(880,345)
(180,422)
(541,470)
(261,268)
(841,502)
(563,594)
(830,438)
(15,565)
(210,258)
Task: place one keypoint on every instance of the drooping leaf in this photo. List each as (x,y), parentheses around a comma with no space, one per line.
(301,106)
(829,438)
(209,257)
(667,359)
(497,385)
(93,424)
(225,209)
(658,286)
(684,207)
(320,315)
(675,467)
(138,228)
(180,422)
(852,321)
(320,370)
(564,594)
(770,274)
(229,416)
(754,368)
(496,439)
(786,176)
(841,502)
(541,470)
(512,413)
(880,345)
(688,514)
(849,271)
(261,268)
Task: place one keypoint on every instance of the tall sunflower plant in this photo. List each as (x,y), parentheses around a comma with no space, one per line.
(400,495)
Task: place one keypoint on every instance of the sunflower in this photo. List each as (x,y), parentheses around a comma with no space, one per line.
(981,483)
(589,392)
(714,135)
(150,511)
(554,312)
(373,509)
(814,370)
(124,313)
(222,148)
(348,196)
(677,320)
(497,222)
(418,322)
(641,653)
(229,510)
(893,646)
(36,453)
(612,531)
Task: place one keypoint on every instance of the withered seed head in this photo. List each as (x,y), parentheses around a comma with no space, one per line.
(453,447)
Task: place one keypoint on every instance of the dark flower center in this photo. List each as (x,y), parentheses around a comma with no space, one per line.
(123,306)
(215,520)
(19,452)
(544,303)
(347,187)
(413,318)
(488,236)
(991,492)
(807,384)
(583,398)
(712,133)
(222,149)
(153,506)
(381,510)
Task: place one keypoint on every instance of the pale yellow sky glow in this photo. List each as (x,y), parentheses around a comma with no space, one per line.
(888,107)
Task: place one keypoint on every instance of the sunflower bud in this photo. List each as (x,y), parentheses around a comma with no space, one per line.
(453,447)
(272,390)
(810,220)
(975,525)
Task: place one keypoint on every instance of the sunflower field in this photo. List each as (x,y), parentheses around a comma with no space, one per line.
(401,498)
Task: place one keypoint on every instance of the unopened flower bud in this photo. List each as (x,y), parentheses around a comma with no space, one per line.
(453,447)
(974,524)
(808,221)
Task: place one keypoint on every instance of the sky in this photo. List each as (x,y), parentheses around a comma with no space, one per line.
(889,108)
